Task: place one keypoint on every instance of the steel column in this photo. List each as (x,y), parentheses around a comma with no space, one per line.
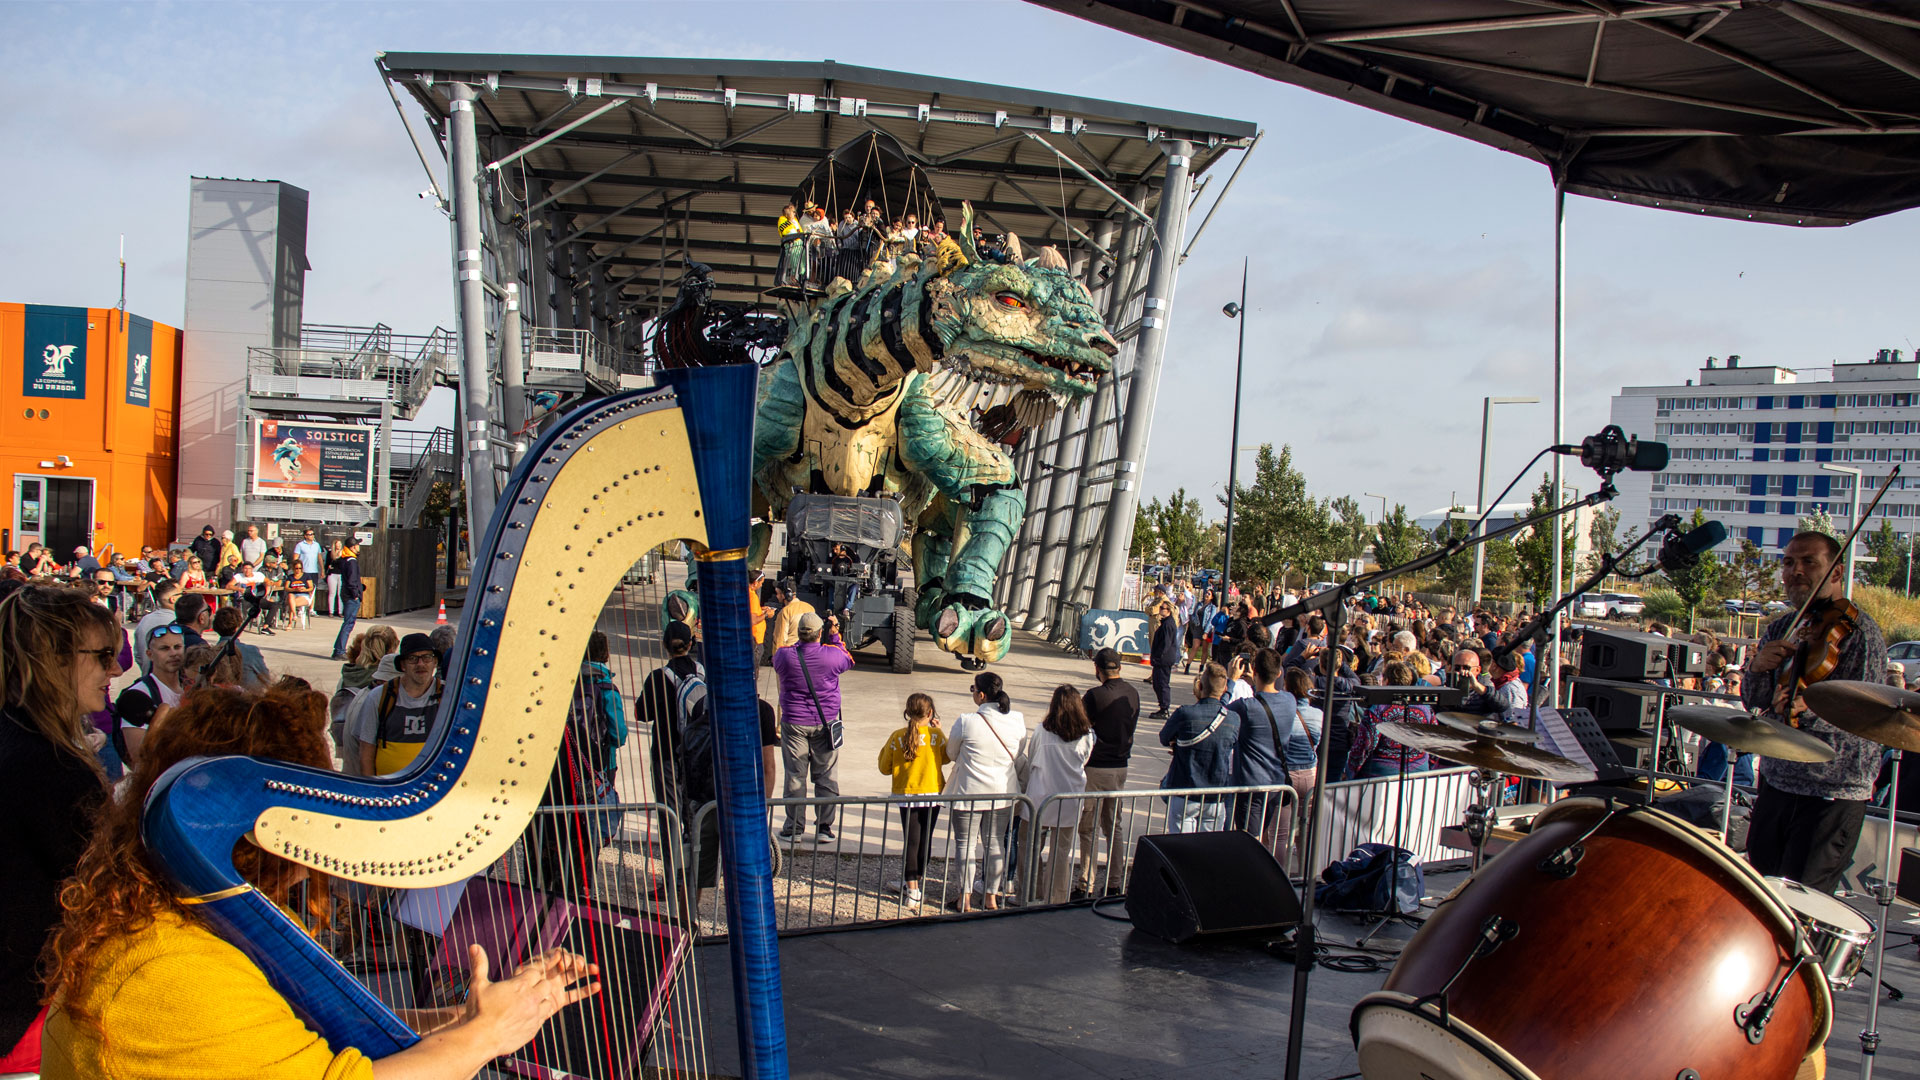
(1081,529)
(475,375)
(1070,451)
(1150,352)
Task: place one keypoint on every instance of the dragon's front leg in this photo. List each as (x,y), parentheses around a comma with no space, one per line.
(956,566)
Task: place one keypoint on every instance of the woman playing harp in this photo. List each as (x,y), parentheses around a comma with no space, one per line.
(140,989)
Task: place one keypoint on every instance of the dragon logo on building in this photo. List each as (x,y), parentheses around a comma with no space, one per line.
(140,361)
(56,358)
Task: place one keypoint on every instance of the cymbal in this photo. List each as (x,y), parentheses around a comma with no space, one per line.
(1473,723)
(1874,711)
(1750,734)
(1504,756)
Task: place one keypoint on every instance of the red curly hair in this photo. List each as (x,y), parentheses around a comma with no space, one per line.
(117,889)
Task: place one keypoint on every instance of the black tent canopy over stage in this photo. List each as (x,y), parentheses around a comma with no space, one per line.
(1797,112)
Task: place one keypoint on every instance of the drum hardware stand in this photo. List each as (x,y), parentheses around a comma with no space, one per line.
(1883,894)
(1480,815)
(1392,913)
(1333,604)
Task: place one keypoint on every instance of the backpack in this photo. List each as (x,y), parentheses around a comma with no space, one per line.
(1365,881)
(693,745)
(610,718)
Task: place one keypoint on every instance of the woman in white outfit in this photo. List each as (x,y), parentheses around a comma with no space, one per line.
(982,744)
(1056,756)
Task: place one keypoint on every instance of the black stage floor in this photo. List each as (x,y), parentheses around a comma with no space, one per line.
(1067,995)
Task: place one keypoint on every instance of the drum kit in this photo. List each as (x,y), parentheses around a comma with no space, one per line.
(1624,934)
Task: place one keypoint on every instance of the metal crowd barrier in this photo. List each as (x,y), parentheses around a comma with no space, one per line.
(849,881)
(1366,811)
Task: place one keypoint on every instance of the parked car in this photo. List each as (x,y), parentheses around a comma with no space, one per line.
(1625,606)
(1319,587)
(1904,651)
(1591,606)
(1744,608)
(1776,607)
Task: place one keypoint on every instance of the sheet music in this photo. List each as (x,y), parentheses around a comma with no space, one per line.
(1555,736)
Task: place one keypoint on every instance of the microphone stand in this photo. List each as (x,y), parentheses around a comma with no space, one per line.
(1334,603)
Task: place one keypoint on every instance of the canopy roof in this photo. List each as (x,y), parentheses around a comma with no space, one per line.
(654,162)
(1800,112)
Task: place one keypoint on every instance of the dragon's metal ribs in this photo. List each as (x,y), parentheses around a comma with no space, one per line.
(606,484)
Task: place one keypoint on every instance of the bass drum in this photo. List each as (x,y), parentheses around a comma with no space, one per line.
(1633,965)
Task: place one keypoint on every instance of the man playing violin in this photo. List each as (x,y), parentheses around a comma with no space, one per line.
(1807,817)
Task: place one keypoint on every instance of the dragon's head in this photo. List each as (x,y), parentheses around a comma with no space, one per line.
(1027,325)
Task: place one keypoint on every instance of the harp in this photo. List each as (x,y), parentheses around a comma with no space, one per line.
(609,482)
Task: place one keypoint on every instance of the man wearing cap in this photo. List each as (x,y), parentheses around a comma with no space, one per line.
(657,705)
(809,673)
(786,621)
(389,724)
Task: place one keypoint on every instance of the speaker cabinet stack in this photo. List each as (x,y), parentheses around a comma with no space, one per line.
(1620,683)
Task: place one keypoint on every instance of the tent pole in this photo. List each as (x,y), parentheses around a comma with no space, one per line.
(1559,414)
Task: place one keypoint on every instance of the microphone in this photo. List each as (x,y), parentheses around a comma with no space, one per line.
(1611,451)
(1681,551)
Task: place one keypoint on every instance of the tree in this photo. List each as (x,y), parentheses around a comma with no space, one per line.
(1183,532)
(1603,539)
(1350,528)
(1889,551)
(1277,525)
(1533,550)
(1456,571)
(1819,521)
(1398,539)
(1693,584)
(1749,573)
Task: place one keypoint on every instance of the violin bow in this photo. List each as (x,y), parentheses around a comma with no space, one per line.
(1800,617)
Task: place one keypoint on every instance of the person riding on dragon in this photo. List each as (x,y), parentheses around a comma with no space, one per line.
(867,397)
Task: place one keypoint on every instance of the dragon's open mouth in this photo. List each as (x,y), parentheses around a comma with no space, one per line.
(1082,374)
(1085,373)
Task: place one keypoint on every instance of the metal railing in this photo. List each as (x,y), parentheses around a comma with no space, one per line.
(553,350)
(1368,811)
(433,461)
(352,363)
(858,877)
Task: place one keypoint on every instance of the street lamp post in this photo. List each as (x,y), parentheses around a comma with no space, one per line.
(1234,311)
(1853,516)
(1480,492)
(1910,539)
(1383,515)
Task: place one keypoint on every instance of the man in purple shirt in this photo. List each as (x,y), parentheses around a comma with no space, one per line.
(809,674)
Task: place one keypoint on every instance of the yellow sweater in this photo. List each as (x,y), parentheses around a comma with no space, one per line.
(921,776)
(178,1002)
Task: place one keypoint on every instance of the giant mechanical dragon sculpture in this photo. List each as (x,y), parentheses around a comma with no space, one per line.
(869,395)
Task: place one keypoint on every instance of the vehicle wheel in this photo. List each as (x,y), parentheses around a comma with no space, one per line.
(910,598)
(900,647)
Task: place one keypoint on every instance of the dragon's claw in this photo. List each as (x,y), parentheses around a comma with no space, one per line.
(966,628)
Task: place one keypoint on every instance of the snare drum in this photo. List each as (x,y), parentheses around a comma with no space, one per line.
(1642,957)
(1836,933)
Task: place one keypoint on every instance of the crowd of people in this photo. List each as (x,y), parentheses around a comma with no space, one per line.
(277,585)
(816,248)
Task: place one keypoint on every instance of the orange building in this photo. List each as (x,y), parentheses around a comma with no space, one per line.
(89,427)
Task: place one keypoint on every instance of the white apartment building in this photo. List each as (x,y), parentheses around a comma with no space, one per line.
(1748,444)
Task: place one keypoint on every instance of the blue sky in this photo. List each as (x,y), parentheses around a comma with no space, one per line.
(1399,274)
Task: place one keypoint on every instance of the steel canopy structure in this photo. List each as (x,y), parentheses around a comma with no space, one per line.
(1798,112)
(582,187)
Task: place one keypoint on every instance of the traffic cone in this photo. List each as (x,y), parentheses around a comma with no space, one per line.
(441,619)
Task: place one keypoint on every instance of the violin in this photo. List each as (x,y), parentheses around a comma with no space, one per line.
(1824,627)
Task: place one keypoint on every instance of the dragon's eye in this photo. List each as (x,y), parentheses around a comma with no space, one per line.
(1007,299)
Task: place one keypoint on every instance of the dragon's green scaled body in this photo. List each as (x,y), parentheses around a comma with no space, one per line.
(871,395)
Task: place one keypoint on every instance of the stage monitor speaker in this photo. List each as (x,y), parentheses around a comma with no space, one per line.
(1907,885)
(1625,654)
(1614,708)
(1193,885)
